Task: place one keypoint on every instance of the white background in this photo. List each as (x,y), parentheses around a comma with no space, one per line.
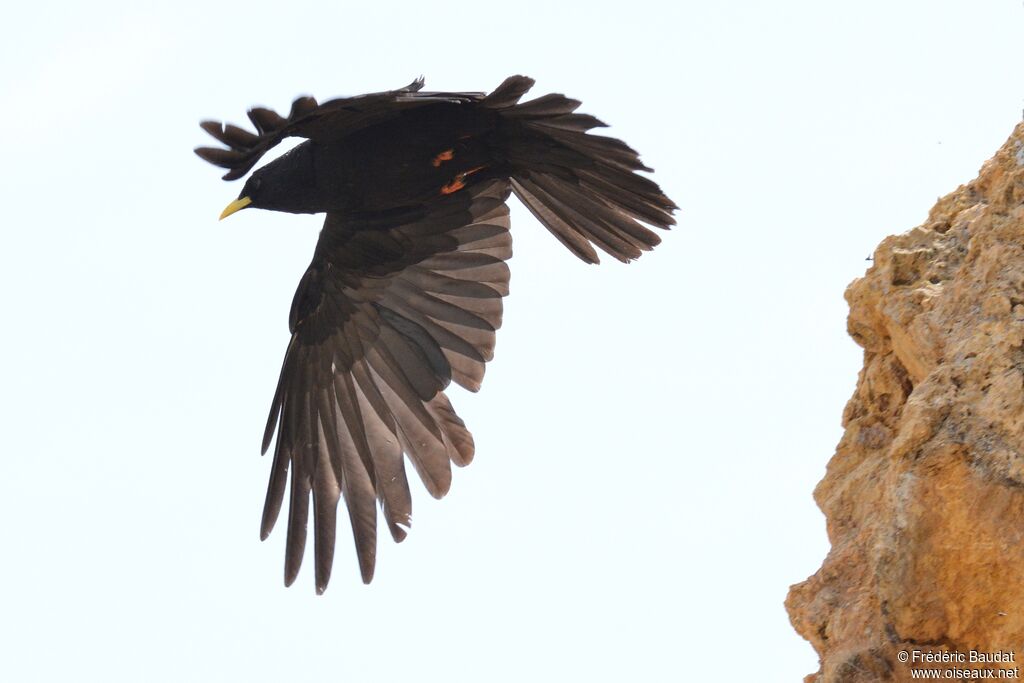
(648,436)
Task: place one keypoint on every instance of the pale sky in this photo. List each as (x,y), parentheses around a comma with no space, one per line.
(648,436)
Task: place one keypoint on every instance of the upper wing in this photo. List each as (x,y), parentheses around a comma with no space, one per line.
(390,310)
(307,119)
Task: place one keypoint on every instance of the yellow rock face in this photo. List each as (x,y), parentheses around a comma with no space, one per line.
(925,495)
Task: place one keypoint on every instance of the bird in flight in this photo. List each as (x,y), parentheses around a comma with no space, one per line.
(404,291)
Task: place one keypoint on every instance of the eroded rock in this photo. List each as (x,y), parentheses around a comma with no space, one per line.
(924,497)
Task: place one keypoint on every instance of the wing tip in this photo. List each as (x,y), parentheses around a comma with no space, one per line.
(270,514)
(323,575)
(398,534)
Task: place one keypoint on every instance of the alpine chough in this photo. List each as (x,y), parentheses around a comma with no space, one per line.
(404,292)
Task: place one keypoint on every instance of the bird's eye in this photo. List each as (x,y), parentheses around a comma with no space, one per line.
(256,183)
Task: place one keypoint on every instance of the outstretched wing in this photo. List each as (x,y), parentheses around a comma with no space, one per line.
(307,119)
(390,310)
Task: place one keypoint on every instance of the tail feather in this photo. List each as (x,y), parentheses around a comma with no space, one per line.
(563,232)
(509,92)
(644,207)
(604,236)
(579,123)
(584,188)
(545,106)
(602,149)
(606,211)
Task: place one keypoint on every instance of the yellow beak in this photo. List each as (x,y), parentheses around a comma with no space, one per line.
(236,205)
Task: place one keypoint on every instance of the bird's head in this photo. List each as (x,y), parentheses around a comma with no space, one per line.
(285,184)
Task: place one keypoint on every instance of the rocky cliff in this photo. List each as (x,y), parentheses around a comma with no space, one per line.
(924,497)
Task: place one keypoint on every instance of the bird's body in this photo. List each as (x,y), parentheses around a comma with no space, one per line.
(398,163)
(404,291)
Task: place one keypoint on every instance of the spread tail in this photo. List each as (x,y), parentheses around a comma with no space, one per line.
(584,188)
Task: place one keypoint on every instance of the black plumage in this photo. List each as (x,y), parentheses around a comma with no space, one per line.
(404,292)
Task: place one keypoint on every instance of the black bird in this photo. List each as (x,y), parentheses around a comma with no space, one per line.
(404,291)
